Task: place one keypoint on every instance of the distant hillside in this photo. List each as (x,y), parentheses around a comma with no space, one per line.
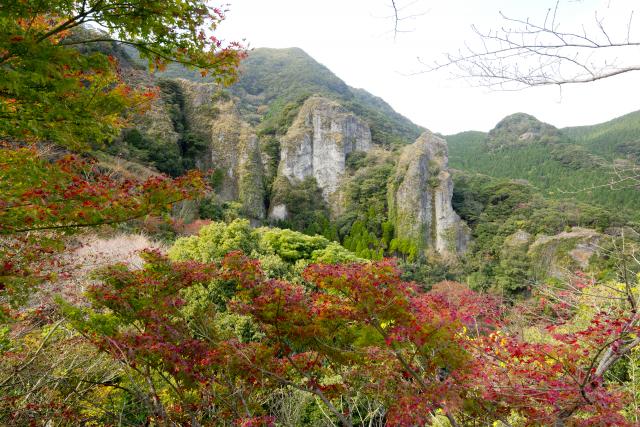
(563,163)
(275,82)
(523,129)
(617,138)
(292,145)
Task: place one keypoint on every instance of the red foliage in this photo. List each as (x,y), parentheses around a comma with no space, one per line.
(191,228)
(44,199)
(417,352)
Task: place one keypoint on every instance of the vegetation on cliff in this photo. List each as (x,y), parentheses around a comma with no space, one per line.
(274,83)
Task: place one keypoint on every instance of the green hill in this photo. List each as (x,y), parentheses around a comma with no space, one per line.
(274,83)
(617,138)
(522,129)
(575,163)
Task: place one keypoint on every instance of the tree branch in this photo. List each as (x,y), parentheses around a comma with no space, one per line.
(526,54)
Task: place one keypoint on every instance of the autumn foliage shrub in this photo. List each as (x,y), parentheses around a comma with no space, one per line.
(345,332)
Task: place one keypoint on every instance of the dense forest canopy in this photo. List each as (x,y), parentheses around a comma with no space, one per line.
(593,164)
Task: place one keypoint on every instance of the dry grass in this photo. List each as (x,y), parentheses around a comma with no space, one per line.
(95,251)
(89,253)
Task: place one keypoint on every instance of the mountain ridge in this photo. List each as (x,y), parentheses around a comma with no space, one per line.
(293,146)
(283,78)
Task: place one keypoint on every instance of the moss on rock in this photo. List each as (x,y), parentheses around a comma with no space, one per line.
(419,198)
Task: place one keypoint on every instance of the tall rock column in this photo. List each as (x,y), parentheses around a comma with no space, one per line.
(419,197)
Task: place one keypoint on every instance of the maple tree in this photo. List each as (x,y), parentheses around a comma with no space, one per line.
(362,327)
(43,200)
(57,99)
(558,376)
(346,331)
(50,90)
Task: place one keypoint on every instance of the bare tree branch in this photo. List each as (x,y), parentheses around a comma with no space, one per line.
(401,14)
(523,53)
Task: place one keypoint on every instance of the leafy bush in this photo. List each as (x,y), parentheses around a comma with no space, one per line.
(334,253)
(363,242)
(214,241)
(289,245)
(355,160)
(282,252)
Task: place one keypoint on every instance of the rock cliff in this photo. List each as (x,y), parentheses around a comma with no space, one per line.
(419,197)
(233,149)
(318,142)
(313,157)
(156,123)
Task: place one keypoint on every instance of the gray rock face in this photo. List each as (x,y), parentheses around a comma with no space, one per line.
(156,123)
(420,198)
(233,147)
(519,239)
(318,142)
(250,176)
(279,212)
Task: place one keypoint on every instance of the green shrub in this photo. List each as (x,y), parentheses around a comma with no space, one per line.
(214,241)
(210,208)
(288,244)
(334,253)
(282,253)
(306,208)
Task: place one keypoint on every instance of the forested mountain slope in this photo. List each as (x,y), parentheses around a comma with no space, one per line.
(572,163)
(290,144)
(274,83)
(294,146)
(617,138)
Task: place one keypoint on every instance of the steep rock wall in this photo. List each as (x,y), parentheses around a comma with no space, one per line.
(419,198)
(156,123)
(318,142)
(233,148)
(563,254)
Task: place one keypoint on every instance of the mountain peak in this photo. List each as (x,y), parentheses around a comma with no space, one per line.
(522,128)
(274,73)
(274,83)
(293,50)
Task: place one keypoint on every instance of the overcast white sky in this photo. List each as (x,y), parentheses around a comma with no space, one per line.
(354,39)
